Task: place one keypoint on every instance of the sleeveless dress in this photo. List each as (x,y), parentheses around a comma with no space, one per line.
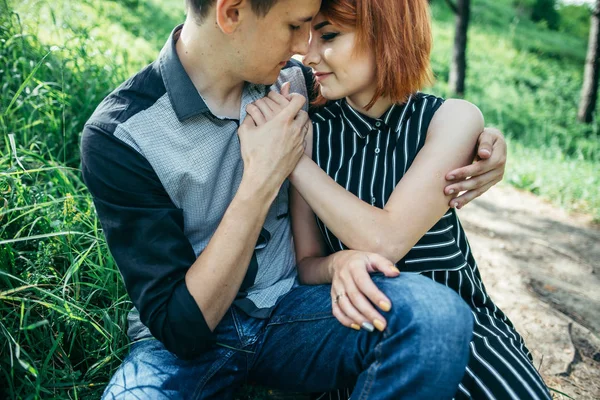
(368,157)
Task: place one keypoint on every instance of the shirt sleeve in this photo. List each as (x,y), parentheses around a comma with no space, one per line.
(144,231)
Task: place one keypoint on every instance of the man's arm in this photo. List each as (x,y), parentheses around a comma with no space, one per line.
(180,298)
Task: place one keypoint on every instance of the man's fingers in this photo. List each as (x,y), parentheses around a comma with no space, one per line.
(477,168)
(301,121)
(285,90)
(281,100)
(485,145)
(470,195)
(474,183)
(256,114)
(294,106)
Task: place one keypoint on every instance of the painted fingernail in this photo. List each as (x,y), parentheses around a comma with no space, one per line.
(355,327)
(394,269)
(368,327)
(454,205)
(451,177)
(379,325)
(385,306)
(450,191)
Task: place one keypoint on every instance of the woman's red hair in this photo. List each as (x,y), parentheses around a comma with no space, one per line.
(399,34)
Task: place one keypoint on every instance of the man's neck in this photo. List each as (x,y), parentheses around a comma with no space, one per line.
(204,60)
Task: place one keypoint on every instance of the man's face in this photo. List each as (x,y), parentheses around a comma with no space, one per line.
(264,44)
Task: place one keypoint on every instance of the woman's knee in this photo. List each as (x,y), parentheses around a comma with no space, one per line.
(429,305)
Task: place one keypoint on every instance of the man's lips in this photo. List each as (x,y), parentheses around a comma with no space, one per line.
(322,75)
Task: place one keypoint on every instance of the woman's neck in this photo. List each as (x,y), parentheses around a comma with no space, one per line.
(379,108)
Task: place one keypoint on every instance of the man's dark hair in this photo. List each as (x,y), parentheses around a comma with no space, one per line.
(200,7)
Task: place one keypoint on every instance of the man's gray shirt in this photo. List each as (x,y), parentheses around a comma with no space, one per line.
(163,169)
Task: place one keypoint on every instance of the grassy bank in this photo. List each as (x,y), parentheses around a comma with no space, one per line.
(62,303)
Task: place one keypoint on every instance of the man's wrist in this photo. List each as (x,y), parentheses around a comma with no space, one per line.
(258,188)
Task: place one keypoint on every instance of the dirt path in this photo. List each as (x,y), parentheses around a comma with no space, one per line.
(541,266)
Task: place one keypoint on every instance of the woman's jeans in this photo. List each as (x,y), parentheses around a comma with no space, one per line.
(422,353)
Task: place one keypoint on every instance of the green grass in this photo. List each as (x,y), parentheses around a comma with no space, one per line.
(527,82)
(62,303)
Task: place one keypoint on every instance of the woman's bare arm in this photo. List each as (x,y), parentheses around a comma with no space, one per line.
(418,201)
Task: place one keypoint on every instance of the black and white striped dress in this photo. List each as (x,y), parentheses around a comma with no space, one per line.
(369,157)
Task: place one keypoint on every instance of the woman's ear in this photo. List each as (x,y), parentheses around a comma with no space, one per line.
(229,14)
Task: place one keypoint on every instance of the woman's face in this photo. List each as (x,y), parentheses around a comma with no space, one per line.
(339,70)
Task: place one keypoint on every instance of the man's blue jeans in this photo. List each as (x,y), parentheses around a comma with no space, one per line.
(422,354)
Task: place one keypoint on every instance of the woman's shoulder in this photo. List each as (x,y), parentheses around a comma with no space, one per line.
(426,101)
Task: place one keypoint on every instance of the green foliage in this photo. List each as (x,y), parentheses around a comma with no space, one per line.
(575,20)
(542,11)
(527,82)
(62,303)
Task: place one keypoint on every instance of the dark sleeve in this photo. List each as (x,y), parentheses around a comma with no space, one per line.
(145,235)
(308,79)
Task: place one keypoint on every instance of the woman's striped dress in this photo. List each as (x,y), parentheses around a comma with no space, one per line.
(369,157)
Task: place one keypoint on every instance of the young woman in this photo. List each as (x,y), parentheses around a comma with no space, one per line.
(381,150)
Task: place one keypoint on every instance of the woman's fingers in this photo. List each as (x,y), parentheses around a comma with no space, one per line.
(256,114)
(378,263)
(343,318)
(366,286)
(264,107)
(357,307)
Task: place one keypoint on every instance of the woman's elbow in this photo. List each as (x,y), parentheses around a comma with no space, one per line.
(389,249)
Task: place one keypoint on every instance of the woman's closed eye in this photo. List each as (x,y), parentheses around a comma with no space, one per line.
(327,37)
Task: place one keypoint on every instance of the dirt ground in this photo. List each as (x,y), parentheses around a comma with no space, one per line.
(541,265)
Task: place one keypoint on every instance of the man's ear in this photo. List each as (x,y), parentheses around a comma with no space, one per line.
(229,14)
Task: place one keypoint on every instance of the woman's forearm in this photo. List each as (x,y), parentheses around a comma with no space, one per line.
(418,200)
(357,224)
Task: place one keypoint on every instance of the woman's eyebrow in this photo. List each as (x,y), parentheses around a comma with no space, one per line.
(321,24)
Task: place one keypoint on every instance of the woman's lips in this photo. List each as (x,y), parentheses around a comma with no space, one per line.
(320,76)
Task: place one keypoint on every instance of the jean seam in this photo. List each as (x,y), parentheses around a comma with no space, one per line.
(301,318)
(238,326)
(371,372)
(211,372)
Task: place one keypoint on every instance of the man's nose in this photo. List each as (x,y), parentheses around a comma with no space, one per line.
(301,44)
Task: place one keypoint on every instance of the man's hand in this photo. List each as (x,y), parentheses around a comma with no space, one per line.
(265,109)
(272,140)
(353,292)
(486,170)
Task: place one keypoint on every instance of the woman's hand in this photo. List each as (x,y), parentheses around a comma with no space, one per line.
(353,292)
(263,110)
(486,170)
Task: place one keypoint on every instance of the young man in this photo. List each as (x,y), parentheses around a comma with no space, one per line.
(195,212)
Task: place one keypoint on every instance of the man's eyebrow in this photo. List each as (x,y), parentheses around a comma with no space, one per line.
(321,24)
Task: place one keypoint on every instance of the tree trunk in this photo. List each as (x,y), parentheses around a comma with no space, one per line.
(458,69)
(589,92)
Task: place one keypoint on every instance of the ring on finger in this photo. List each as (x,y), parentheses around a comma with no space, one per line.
(338,296)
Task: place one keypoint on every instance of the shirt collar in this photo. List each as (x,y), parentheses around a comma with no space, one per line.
(363,125)
(184,97)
